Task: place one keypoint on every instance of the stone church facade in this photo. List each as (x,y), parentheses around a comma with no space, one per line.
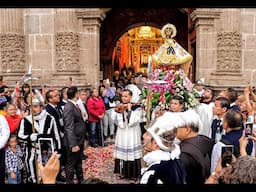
(226,46)
(57,43)
(61,43)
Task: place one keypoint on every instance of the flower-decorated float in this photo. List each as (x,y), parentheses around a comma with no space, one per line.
(168,75)
(163,84)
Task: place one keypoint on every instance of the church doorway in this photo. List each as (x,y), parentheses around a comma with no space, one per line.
(133,49)
(128,36)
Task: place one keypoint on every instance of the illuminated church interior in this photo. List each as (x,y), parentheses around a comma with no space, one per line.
(134,47)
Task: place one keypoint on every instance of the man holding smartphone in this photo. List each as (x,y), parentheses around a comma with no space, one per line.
(233,125)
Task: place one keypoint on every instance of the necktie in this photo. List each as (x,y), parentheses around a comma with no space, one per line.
(57,110)
(37,121)
(77,106)
(219,128)
(86,114)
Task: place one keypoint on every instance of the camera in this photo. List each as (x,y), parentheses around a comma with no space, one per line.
(248,128)
(45,149)
(226,155)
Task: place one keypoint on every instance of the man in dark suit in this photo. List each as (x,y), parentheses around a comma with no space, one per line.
(221,106)
(54,109)
(74,136)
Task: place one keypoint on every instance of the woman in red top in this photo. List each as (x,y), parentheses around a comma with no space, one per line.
(12,117)
(96,110)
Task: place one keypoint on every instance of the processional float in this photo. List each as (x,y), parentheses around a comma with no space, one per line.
(167,73)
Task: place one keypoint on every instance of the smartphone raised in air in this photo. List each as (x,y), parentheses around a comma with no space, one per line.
(46,149)
(248,128)
(226,155)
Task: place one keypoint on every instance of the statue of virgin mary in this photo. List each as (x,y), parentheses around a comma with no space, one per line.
(170,54)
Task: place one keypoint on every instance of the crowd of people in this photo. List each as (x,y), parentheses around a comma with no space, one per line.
(179,147)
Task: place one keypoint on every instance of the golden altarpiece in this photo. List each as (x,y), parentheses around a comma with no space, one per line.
(137,45)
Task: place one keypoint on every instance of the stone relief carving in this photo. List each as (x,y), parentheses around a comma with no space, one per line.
(12,52)
(67,51)
(229,51)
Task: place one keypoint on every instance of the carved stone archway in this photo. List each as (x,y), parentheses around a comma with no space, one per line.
(119,21)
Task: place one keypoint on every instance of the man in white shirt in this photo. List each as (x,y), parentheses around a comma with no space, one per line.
(83,95)
(232,123)
(82,103)
(221,106)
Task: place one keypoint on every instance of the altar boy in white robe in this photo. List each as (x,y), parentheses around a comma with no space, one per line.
(128,149)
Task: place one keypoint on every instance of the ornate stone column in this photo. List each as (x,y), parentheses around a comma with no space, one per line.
(12,44)
(67,47)
(90,21)
(66,41)
(206,48)
(224,55)
(229,51)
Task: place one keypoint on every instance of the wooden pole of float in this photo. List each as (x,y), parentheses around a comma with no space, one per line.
(30,78)
(149,92)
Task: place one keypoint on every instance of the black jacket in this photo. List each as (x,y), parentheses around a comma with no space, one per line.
(58,115)
(195,154)
(168,172)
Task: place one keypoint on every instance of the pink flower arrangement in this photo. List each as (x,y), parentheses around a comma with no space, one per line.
(162,85)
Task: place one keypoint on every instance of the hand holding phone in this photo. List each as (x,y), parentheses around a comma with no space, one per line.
(50,171)
(45,149)
(226,155)
(248,128)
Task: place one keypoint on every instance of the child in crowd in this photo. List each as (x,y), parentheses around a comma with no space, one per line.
(12,118)
(13,161)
